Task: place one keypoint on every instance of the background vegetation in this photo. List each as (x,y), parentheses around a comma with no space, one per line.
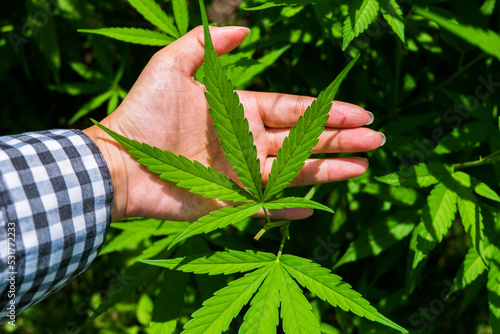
(430,79)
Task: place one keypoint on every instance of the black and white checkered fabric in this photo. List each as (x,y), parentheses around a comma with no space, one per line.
(56,190)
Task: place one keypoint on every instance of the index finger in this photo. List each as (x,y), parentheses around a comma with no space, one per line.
(283,110)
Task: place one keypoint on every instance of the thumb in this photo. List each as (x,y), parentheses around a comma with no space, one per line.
(188,51)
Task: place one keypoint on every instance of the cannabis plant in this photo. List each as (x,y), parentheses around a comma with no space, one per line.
(271,281)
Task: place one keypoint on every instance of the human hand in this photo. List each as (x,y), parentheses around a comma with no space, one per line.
(167,108)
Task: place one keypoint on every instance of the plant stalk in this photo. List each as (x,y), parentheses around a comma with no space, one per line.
(490,159)
(283,239)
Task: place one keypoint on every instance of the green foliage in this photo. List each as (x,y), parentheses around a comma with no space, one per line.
(226,263)
(274,279)
(218,311)
(435,97)
(486,40)
(181,15)
(377,238)
(218,219)
(394,16)
(469,271)
(133,35)
(230,122)
(303,137)
(361,14)
(187,174)
(233,130)
(152,12)
(436,220)
(294,202)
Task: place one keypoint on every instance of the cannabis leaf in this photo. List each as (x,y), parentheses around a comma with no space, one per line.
(270,278)
(218,311)
(377,238)
(181,15)
(226,263)
(361,14)
(484,190)
(218,219)
(493,287)
(274,279)
(276,3)
(230,121)
(262,317)
(471,268)
(296,311)
(421,175)
(330,288)
(154,14)
(302,138)
(133,35)
(436,220)
(469,210)
(487,40)
(295,202)
(187,174)
(394,16)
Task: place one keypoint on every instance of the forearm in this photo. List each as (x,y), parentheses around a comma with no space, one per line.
(55,190)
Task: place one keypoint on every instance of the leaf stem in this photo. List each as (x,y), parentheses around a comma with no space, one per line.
(490,159)
(266,227)
(285,236)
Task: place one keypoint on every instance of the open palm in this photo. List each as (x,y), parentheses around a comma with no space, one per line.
(167,108)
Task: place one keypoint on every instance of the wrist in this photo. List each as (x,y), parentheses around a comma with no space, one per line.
(112,153)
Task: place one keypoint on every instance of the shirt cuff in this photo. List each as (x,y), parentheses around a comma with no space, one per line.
(56,200)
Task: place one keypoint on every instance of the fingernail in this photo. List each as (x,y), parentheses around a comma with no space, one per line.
(247,30)
(367,162)
(371,118)
(383,138)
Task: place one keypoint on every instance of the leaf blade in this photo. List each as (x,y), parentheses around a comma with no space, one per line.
(277,3)
(90,106)
(181,15)
(228,262)
(302,138)
(361,14)
(229,118)
(178,169)
(484,190)
(377,238)
(133,35)
(421,175)
(262,317)
(394,16)
(218,219)
(485,39)
(330,288)
(296,311)
(152,12)
(469,271)
(470,211)
(436,220)
(295,202)
(493,287)
(218,311)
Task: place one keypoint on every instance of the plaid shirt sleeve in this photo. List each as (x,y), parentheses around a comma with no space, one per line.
(56,202)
